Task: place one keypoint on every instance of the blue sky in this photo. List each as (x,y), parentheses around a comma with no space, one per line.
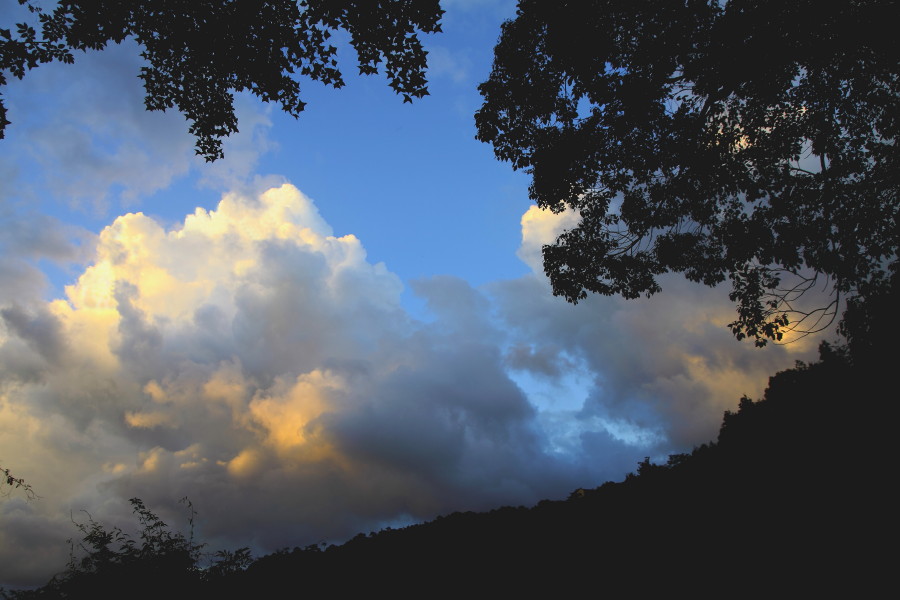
(376,167)
(340,325)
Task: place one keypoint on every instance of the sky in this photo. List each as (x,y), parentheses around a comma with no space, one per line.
(342,325)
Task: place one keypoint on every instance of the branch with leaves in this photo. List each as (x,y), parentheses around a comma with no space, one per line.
(16,483)
(200,53)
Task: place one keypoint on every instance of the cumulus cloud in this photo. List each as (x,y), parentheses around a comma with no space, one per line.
(260,365)
(541,227)
(253,361)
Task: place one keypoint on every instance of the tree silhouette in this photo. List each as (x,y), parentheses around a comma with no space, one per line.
(107,562)
(749,140)
(199,53)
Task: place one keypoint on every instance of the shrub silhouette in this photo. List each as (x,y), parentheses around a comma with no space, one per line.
(111,563)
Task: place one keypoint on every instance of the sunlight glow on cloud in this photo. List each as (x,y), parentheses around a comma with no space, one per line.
(248,353)
(244,356)
(251,360)
(541,227)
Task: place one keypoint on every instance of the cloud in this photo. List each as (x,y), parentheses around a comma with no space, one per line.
(663,369)
(252,361)
(32,235)
(442,62)
(41,332)
(86,128)
(27,239)
(539,228)
(100,144)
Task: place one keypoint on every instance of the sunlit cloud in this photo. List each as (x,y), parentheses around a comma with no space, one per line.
(251,360)
(245,356)
(249,353)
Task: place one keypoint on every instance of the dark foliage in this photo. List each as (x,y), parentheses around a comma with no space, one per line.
(750,140)
(200,52)
(871,327)
(159,562)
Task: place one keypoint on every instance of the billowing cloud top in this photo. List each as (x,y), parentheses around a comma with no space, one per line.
(257,364)
(252,361)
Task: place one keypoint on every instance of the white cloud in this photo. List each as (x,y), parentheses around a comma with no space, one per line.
(256,363)
(100,145)
(261,366)
(539,228)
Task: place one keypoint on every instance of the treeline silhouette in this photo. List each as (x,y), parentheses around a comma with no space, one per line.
(794,498)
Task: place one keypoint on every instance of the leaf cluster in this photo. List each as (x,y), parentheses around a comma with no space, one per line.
(750,140)
(23,50)
(15,483)
(198,53)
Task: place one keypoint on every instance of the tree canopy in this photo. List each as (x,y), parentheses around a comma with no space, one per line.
(199,53)
(750,140)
